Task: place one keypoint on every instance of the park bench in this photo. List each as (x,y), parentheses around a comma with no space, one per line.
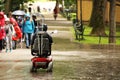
(79,30)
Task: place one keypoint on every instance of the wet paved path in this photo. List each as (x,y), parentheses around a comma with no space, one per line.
(88,65)
(68,65)
(16,66)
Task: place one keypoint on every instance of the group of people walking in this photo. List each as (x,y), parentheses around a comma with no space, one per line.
(15,29)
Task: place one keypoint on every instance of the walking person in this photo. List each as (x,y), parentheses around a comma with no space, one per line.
(18,32)
(20,22)
(2,31)
(28,30)
(35,22)
(9,32)
(55,11)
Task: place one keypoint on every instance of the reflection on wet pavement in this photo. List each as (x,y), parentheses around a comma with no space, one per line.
(21,71)
(42,76)
(68,65)
(99,65)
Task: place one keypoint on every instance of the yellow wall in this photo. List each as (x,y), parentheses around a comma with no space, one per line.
(87,9)
(118,14)
(78,9)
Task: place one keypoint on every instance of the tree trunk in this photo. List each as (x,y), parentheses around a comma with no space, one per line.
(7,6)
(112,33)
(57,5)
(97,20)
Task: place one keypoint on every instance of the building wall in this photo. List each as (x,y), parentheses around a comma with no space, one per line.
(87,10)
(78,9)
(118,14)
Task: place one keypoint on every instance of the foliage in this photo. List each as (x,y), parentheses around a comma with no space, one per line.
(15,4)
(1,4)
(69,3)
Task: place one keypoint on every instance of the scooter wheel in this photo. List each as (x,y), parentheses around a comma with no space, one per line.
(33,69)
(50,67)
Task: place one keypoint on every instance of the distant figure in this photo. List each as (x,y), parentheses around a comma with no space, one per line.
(35,21)
(55,11)
(38,8)
(30,9)
(20,21)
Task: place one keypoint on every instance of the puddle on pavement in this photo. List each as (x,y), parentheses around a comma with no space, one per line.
(21,71)
(41,75)
(80,66)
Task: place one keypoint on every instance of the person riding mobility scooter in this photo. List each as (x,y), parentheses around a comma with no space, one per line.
(41,50)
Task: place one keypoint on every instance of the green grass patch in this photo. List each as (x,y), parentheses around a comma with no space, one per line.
(96,39)
(73,16)
(60,29)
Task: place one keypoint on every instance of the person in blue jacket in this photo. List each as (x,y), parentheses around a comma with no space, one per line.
(28,29)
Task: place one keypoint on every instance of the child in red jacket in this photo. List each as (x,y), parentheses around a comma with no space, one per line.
(2,31)
(18,32)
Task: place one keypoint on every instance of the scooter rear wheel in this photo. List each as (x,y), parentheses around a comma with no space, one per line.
(33,69)
(50,67)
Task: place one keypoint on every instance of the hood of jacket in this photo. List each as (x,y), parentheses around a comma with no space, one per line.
(2,19)
(27,16)
(13,21)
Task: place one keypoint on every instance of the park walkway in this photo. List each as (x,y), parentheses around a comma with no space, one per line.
(63,26)
(84,64)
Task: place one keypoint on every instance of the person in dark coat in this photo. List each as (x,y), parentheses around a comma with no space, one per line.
(45,35)
(35,21)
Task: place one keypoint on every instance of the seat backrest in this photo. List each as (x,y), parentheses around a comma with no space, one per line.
(44,43)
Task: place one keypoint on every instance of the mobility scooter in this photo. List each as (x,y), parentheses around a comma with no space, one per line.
(41,50)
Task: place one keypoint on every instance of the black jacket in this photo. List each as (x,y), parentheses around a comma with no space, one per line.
(45,35)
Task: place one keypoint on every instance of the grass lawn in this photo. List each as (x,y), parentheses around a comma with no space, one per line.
(97,40)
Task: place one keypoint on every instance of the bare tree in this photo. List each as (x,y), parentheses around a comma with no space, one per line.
(97,20)
(7,6)
(57,5)
(112,33)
